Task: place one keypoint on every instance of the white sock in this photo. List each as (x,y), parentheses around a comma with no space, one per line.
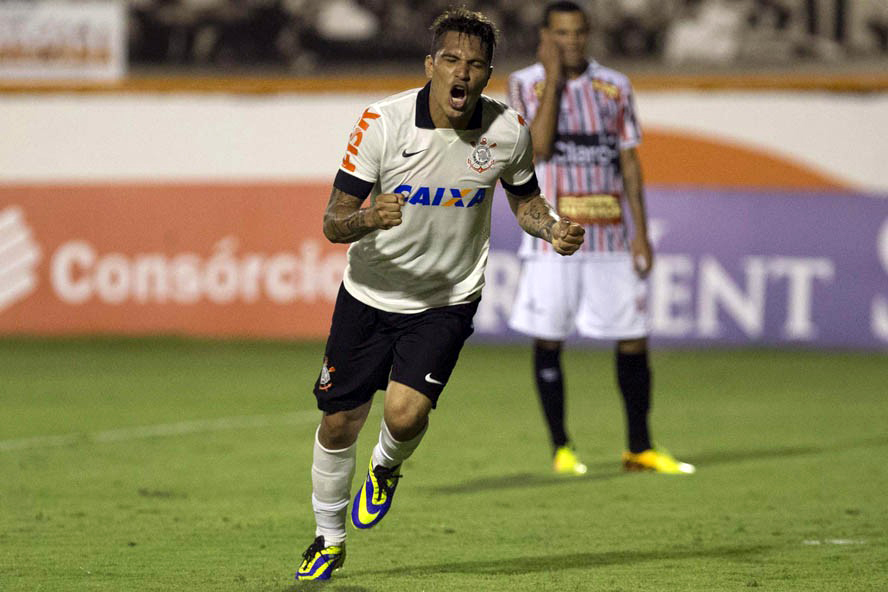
(389,452)
(331,477)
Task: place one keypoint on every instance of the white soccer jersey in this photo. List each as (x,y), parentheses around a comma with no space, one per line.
(596,120)
(437,255)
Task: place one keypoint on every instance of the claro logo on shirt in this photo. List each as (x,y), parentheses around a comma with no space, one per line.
(354,140)
(442,196)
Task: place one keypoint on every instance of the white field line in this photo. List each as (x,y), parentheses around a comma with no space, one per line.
(162,430)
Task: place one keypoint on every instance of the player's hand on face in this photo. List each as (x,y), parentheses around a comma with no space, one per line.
(386,210)
(642,255)
(549,55)
(567,236)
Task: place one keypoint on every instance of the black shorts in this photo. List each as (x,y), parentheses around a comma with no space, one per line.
(367,347)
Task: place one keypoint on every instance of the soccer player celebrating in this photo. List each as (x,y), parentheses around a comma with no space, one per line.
(428,159)
(584,136)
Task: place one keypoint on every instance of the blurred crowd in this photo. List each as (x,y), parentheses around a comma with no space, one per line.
(304,35)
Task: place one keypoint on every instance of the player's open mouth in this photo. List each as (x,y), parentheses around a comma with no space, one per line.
(458,97)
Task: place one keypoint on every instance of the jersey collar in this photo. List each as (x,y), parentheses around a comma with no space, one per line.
(590,69)
(424,114)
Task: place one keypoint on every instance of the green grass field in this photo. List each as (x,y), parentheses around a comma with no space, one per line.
(181,465)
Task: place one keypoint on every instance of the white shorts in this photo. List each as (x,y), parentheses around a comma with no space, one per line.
(600,297)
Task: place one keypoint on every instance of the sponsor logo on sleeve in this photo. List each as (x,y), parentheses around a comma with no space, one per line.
(355,139)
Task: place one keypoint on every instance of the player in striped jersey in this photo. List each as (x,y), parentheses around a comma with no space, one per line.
(585,134)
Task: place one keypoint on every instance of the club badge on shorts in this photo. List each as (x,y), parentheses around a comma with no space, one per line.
(326,381)
(481,158)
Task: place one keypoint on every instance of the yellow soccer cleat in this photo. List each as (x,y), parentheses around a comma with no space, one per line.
(374,499)
(320,561)
(658,461)
(567,463)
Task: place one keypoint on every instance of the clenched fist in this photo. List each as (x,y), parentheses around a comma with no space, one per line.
(567,236)
(386,210)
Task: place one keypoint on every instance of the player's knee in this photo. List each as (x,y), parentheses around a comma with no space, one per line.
(405,419)
(632,346)
(339,430)
(547,344)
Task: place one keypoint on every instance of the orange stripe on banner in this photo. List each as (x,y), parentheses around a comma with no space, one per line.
(671,158)
(873,81)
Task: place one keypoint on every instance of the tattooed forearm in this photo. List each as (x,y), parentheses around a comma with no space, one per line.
(344,220)
(536,217)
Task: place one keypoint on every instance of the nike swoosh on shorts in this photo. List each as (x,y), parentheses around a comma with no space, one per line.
(428,378)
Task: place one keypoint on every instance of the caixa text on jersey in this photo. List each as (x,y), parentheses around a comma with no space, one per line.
(442,196)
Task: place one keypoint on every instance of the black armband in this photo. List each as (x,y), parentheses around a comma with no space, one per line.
(529,188)
(352,185)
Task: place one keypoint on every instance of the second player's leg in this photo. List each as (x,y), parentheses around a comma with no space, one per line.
(634,380)
(550,387)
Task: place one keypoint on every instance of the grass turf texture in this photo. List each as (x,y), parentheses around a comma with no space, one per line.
(789,494)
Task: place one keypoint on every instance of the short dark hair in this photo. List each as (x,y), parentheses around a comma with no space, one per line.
(562,6)
(467,22)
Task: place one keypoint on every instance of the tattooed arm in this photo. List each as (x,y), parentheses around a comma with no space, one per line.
(537,217)
(345,221)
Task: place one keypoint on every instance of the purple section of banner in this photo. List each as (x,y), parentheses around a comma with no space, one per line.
(739,267)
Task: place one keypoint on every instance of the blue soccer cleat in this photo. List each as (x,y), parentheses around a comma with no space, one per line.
(374,499)
(319,561)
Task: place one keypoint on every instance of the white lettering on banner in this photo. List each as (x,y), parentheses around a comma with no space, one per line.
(72,258)
(716,287)
(657,229)
(800,273)
(184,271)
(879,309)
(694,298)
(150,277)
(78,274)
(503,271)
(747,308)
(672,305)
(112,278)
(744,305)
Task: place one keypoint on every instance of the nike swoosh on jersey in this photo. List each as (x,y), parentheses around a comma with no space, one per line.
(406,154)
(428,378)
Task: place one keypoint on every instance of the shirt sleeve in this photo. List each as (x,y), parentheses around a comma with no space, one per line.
(360,167)
(515,97)
(519,177)
(630,134)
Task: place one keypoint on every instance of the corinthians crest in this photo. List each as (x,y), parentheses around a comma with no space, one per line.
(326,381)
(481,158)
